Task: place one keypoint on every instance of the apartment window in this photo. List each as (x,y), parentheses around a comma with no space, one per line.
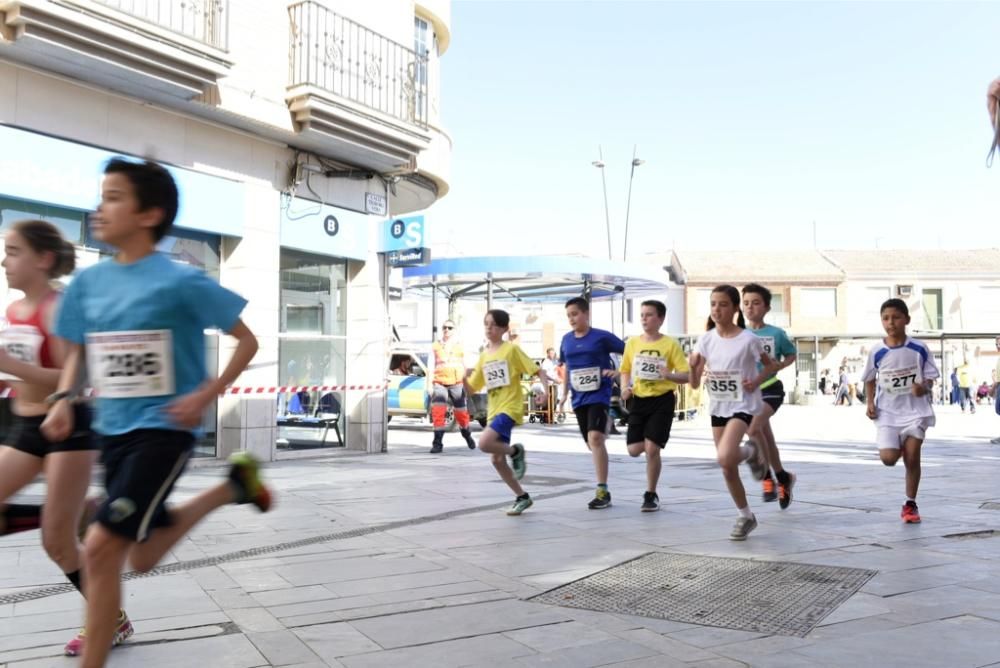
(933,302)
(70,222)
(818,302)
(424,40)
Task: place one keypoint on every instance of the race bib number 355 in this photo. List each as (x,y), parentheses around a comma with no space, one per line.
(131,365)
(586,380)
(496,374)
(724,385)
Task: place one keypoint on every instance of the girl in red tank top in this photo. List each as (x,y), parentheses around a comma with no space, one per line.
(30,363)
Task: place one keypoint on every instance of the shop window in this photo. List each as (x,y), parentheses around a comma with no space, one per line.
(311,349)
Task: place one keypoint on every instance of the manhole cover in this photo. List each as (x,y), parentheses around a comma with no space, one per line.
(547,481)
(760,596)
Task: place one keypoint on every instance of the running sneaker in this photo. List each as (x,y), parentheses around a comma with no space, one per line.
(122,633)
(770,493)
(756,460)
(650,502)
(601,500)
(521,504)
(517,461)
(909,513)
(244,474)
(469,441)
(785,491)
(743,527)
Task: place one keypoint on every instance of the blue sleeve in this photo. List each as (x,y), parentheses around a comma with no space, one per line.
(786,348)
(212,304)
(614,344)
(69,317)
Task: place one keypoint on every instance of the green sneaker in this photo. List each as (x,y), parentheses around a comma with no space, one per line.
(517,461)
(244,475)
(521,504)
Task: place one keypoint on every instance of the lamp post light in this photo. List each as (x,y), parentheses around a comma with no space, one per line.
(628,204)
(599,163)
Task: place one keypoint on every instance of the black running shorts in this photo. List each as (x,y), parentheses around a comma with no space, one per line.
(26,436)
(140,469)
(650,418)
(592,417)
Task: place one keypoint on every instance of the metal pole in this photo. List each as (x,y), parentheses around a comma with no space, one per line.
(489,292)
(604,184)
(434,309)
(628,203)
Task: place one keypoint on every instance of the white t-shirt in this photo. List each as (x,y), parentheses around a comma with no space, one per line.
(894,371)
(549,367)
(728,363)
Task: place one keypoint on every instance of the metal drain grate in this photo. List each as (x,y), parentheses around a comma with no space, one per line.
(180,566)
(759,596)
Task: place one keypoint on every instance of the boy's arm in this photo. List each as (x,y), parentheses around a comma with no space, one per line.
(186,411)
(58,424)
(871,411)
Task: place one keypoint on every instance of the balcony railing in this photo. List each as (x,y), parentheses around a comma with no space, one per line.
(206,21)
(350,61)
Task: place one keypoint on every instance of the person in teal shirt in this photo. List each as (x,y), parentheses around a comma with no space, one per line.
(756,305)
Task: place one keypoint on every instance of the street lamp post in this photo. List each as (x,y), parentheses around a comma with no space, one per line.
(599,163)
(628,204)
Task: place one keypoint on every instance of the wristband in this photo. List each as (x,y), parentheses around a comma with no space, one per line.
(56,397)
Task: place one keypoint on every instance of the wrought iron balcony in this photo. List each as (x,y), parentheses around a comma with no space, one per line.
(206,21)
(337,55)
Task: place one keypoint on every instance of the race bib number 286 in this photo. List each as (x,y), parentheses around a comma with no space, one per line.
(130,365)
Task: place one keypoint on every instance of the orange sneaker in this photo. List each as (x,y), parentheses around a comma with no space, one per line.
(910,514)
(770,494)
(785,491)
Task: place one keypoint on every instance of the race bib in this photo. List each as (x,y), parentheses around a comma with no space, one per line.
(585,380)
(768,342)
(647,367)
(724,385)
(899,381)
(497,374)
(131,365)
(23,343)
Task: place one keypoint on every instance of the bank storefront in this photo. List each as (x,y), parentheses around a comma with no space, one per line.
(295,259)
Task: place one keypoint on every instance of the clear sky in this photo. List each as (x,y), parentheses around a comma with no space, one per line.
(754,119)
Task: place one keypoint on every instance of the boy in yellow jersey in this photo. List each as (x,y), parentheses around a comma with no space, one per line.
(499,369)
(651,369)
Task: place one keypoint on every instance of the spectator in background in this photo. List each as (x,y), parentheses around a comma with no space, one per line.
(965,385)
(956,394)
(843,389)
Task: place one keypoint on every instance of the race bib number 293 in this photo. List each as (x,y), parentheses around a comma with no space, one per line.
(130,365)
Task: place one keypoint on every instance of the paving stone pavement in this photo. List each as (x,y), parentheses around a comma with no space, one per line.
(450,590)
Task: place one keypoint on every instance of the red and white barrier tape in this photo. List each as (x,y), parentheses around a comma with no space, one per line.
(302,388)
(8,392)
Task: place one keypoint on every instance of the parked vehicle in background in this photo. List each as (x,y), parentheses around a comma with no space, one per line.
(410,367)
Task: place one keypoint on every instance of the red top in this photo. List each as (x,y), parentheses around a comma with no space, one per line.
(37,320)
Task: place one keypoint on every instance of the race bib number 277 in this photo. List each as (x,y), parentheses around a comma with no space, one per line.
(131,365)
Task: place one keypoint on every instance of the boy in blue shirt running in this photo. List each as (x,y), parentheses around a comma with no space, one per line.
(757,304)
(587,354)
(140,318)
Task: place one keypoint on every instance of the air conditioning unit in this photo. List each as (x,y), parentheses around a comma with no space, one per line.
(904,291)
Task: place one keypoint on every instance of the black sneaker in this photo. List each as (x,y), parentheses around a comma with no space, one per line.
(601,500)
(436,448)
(650,502)
(467,435)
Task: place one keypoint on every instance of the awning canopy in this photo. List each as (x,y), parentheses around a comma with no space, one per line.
(533,278)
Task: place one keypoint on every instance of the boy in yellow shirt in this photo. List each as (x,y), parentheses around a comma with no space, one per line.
(657,364)
(499,369)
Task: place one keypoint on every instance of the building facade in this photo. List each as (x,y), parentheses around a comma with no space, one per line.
(295,131)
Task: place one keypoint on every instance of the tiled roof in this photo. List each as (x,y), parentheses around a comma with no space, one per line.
(735,266)
(916,262)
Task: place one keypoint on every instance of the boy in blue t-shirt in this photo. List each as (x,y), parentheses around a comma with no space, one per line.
(586,352)
(140,318)
(756,304)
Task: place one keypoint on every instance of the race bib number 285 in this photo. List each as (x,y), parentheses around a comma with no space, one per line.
(130,365)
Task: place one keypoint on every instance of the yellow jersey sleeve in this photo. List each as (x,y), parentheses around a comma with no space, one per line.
(476,380)
(524,363)
(626,365)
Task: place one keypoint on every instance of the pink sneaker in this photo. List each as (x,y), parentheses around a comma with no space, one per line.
(75,646)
